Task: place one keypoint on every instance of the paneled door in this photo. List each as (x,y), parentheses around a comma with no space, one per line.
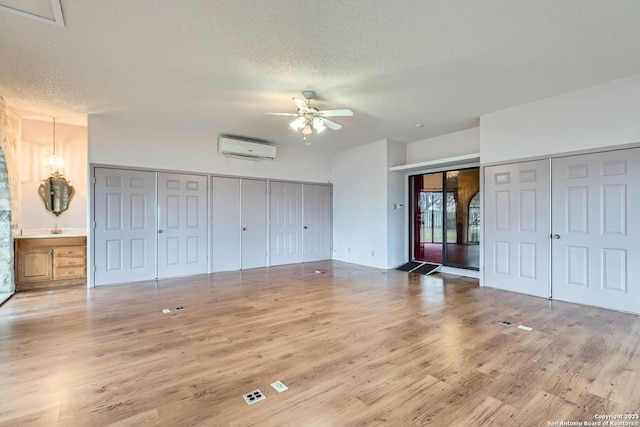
(125,226)
(516,240)
(254,223)
(182,225)
(285,223)
(316,234)
(226,227)
(595,229)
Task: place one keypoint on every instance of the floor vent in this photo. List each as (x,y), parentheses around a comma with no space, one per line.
(253,397)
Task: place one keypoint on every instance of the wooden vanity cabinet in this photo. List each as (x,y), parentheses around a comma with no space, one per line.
(50,262)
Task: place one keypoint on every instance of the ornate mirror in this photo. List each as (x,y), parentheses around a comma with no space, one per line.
(56,193)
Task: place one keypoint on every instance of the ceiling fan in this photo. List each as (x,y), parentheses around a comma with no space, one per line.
(310,118)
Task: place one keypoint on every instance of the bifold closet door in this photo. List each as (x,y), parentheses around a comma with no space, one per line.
(125,226)
(516,231)
(226,224)
(316,234)
(182,225)
(596,244)
(285,223)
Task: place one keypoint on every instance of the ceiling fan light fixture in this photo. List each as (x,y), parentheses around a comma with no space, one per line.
(318,125)
(310,119)
(297,124)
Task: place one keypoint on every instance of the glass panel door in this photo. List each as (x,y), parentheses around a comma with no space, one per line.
(463,218)
(428,217)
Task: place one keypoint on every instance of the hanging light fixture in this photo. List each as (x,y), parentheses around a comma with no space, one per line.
(308,122)
(55,163)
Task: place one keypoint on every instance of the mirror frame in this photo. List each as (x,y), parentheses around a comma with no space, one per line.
(48,189)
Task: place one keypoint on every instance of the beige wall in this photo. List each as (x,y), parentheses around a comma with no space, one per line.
(36,144)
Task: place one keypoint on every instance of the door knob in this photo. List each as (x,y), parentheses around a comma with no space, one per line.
(160,231)
(244,228)
(305,227)
(554,236)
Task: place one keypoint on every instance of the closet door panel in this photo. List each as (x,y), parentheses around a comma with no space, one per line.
(596,200)
(226,224)
(285,223)
(182,225)
(317,222)
(254,223)
(516,231)
(125,226)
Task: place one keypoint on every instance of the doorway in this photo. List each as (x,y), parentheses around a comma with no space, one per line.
(446,218)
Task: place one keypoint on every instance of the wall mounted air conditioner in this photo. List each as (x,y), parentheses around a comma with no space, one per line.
(246,149)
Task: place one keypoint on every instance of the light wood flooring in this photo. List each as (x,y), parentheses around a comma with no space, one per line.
(356,346)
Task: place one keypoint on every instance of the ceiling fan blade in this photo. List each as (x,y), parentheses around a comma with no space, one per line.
(301,103)
(335,113)
(331,125)
(283,114)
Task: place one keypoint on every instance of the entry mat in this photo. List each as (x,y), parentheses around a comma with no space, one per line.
(425,268)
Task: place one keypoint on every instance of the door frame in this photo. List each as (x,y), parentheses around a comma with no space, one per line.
(411,222)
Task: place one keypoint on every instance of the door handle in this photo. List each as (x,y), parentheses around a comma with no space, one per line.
(305,227)
(554,236)
(160,231)
(244,228)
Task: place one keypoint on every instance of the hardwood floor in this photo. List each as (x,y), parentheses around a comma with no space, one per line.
(356,346)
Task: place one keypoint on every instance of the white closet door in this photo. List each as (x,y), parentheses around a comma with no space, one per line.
(516,230)
(317,222)
(596,249)
(226,224)
(285,223)
(182,225)
(125,226)
(254,223)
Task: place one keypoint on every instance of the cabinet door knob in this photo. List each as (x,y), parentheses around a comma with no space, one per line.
(244,228)
(160,231)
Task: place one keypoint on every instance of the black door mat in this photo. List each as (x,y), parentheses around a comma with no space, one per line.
(425,268)
(411,265)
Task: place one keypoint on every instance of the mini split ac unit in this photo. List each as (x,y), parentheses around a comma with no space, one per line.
(246,149)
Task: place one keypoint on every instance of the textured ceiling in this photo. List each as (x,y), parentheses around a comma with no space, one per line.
(216,66)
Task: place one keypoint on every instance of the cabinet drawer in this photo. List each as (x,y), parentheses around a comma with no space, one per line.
(70,262)
(69,272)
(70,251)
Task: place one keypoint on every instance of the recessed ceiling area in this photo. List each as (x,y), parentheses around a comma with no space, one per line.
(217,66)
(48,11)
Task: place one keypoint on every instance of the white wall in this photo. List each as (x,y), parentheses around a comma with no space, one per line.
(359,177)
(366,228)
(397,231)
(122,143)
(441,147)
(599,116)
(35,146)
